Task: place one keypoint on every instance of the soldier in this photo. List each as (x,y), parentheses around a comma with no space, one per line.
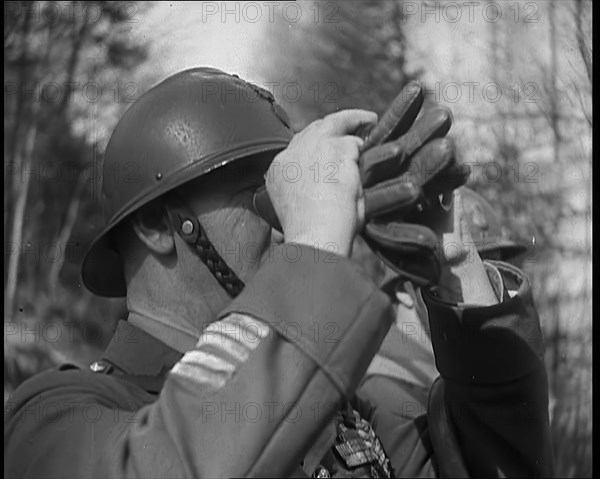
(492,240)
(242,356)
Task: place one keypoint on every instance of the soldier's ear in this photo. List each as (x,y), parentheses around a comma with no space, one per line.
(152,226)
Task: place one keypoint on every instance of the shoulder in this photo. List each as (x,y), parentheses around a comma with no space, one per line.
(55,421)
(68,382)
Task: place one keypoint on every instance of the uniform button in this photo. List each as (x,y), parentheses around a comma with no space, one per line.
(187,227)
(98,366)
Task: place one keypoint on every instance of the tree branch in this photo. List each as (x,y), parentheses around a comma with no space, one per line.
(585,50)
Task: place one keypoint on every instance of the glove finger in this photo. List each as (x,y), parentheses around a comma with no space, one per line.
(422,270)
(407,238)
(402,193)
(432,161)
(387,160)
(380,162)
(407,249)
(390,197)
(433,123)
(451,177)
(398,117)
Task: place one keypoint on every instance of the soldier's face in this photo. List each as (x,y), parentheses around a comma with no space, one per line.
(222,201)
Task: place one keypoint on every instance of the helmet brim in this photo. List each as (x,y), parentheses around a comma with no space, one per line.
(102,268)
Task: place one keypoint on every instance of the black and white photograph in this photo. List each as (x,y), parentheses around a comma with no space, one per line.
(297,239)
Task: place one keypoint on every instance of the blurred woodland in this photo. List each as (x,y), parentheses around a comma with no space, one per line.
(72,68)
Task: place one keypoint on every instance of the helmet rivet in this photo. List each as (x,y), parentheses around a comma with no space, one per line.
(187,227)
(159,176)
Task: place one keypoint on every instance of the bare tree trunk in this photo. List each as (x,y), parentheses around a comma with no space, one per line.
(79,35)
(13,141)
(17,223)
(22,159)
(554,117)
(498,45)
(12,144)
(553,97)
(65,233)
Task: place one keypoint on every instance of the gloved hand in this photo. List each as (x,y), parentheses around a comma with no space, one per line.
(403,180)
(405,164)
(382,158)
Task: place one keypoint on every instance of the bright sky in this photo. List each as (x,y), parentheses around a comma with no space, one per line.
(187,34)
(236,37)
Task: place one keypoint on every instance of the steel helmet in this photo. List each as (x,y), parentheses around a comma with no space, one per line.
(186,126)
(486,229)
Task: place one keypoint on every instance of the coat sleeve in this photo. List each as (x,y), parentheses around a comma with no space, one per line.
(491,360)
(493,406)
(257,389)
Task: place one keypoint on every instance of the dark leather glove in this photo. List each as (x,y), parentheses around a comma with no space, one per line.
(401,208)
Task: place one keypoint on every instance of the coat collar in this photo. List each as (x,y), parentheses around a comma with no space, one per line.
(139,356)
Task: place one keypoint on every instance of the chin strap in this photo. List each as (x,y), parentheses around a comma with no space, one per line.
(188,227)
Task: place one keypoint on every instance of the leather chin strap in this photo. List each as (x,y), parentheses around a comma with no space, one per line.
(189,229)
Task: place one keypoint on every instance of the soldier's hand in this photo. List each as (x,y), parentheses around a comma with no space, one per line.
(315,185)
